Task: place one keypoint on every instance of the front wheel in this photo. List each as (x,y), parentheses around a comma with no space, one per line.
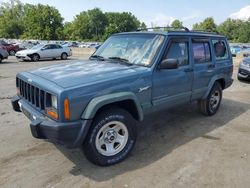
(111,138)
(35,57)
(211,104)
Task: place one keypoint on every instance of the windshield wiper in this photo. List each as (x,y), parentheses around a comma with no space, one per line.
(97,57)
(122,60)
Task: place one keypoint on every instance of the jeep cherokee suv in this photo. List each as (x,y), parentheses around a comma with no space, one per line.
(95,104)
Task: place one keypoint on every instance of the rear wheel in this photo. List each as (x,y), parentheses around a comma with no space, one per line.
(211,104)
(64,56)
(111,138)
(1,58)
(35,57)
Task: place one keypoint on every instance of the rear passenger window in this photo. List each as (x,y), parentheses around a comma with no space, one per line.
(201,51)
(220,49)
(179,51)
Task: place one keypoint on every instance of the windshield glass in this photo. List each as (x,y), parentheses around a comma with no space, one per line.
(138,49)
(37,46)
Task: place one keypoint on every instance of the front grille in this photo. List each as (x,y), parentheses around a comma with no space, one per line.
(34,95)
(244,72)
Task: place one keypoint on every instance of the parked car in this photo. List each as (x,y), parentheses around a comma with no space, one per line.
(244,69)
(11,49)
(44,51)
(246,52)
(27,45)
(235,50)
(95,104)
(3,54)
(71,44)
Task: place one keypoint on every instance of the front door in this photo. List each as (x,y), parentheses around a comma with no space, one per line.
(173,86)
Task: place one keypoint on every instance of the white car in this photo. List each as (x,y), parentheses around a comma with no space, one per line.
(44,51)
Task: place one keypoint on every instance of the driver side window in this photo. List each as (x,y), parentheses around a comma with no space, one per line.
(46,47)
(178,51)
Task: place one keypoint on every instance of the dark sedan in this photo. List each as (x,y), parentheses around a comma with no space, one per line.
(244,69)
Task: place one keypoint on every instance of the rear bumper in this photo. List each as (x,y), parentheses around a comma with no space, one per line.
(69,134)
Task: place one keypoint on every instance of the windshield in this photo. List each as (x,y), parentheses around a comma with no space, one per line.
(37,46)
(138,49)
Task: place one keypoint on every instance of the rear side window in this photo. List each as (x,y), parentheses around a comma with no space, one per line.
(220,49)
(179,51)
(201,51)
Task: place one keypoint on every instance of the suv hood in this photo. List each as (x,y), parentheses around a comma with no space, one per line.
(86,72)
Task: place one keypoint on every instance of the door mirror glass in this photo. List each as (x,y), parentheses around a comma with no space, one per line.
(169,64)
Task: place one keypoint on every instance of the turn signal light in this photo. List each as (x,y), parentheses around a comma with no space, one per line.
(66,109)
(52,113)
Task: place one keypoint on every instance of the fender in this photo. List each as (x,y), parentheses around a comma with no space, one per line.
(98,102)
(211,83)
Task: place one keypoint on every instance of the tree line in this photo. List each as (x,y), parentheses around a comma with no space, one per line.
(44,22)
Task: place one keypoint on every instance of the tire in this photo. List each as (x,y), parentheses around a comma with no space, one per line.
(1,59)
(114,129)
(64,56)
(12,52)
(211,104)
(240,79)
(35,57)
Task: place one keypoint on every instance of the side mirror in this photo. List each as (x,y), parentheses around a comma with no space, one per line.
(169,64)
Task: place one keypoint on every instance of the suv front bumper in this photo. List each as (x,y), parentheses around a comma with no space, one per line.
(70,134)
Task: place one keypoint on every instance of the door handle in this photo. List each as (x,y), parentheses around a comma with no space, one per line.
(188,70)
(211,66)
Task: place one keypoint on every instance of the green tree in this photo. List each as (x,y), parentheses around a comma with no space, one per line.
(207,25)
(88,25)
(98,22)
(244,32)
(143,26)
(236,30)
(176,24)
(121,22)
(42,22)
(11,22)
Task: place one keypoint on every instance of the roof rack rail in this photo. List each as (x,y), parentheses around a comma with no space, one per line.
(204,31)
(168,28)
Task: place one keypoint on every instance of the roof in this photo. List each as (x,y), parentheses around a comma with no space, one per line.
(176,33)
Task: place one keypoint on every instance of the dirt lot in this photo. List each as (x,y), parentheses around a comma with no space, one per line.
(175,148)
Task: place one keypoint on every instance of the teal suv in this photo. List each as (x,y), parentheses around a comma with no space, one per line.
(95,104)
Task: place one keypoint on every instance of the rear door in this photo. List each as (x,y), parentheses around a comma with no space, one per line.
(204,66)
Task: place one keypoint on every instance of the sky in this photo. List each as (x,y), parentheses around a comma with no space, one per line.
(157,12)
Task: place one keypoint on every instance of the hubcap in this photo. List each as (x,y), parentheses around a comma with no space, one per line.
(36,58)
(214,100)
(111,138)
(64,56)
(12,53)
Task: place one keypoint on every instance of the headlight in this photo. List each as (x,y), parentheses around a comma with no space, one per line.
(54,101)
(245,63)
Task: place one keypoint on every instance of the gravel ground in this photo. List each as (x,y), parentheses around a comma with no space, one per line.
(175,148)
